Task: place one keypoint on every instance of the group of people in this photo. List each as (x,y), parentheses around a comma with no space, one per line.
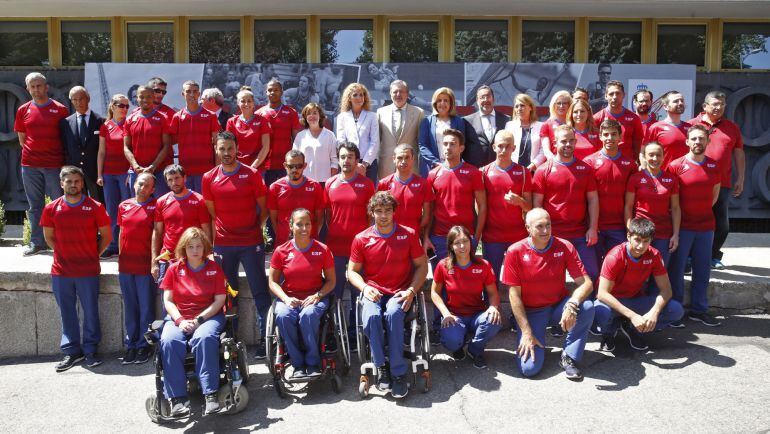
(622,202)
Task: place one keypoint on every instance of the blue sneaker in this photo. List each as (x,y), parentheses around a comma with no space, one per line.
(716,264)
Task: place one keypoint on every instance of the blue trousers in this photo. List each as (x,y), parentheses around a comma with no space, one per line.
(161,187)
(116,190)
(38,183)
(253,260)
(204,345)
(194,183)
(661,244)
(67,290)
(721,214)
(376,318)
(609,239)
(138,307)
(588,257)
(574,343)
(300,328)
(494,253)
(606,318)
(371,173)
(696,245)
(481,330)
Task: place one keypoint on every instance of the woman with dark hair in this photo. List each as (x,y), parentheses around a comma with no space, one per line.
(317,143)
(464,278)
(432,129)
(301,277)
(304,93)
(580,117)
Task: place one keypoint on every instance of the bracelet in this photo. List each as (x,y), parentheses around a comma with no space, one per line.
(414,293)
(178,321)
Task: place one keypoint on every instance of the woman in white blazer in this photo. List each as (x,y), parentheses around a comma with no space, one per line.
(357,124)
(524,125)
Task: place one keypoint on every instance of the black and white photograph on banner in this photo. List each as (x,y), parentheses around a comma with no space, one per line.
(423,79)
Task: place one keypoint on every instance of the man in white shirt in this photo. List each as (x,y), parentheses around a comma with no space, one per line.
(486,123)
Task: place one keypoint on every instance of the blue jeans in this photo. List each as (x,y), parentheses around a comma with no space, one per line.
(299,328)
(204,344)
(253,260)
(606,318)
(609,239)
(696,245)
(38,183)
(587,257)
(495,253)
(116,190)
(194,183)
(138,307)
(67,290)
(574,343)
(481,330)
(376,318)
(161,187)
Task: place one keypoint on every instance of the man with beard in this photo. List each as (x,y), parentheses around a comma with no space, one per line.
(486,123)
(631,135)
(412,192)
(147,143)
(671,132)
(70,225)
(643,108)
(699,183)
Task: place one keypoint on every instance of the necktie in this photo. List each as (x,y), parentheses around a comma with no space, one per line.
(398,123)
(82,130)
(489,128)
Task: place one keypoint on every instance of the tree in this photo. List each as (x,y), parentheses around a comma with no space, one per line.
(23,49)
(367,48)
(553,47)
(481,46)
(735,49)
(615,48)
(280,47)
(329,52)
(413,46)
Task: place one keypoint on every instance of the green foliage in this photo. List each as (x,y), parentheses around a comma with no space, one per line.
(735,49)
(27,230)
(553,47)
(682,49)
(615,48)
(23,49)
(79,48)
(280,47)
(150,47)
(329,53)
(413,46)
(481,46)
(215,47)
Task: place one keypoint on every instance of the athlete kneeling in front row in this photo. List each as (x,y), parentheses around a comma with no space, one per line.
(394,266)
(535,268)
(621,300)
(464,278)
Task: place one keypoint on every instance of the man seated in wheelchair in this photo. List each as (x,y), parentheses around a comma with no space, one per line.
(394,266)
(301,277)
(194,294)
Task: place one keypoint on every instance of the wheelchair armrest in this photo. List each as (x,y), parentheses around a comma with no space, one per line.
(152,335)
(231,316)
(157,325)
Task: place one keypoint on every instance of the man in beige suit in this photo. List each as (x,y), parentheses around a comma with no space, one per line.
(399,123)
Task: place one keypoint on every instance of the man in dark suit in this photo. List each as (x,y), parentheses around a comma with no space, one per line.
(80,138)
(486,123)
(213,100)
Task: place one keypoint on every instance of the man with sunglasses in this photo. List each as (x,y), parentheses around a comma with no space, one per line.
(158,86)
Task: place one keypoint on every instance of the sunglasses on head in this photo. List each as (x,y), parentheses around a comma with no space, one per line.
(123,106)
(161,91)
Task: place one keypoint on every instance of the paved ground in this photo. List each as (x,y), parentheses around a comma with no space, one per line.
(696,379)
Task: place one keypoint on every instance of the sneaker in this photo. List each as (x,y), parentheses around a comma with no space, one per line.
(688,266)
(717,264)
(704,318)
(143,355)
(677,325)
(108,254)
(478,361)
(570,368)
(594,330)
(298,374)
(92,361)
(435,337)
(129,357)
(180,407)
(69,361)
(383,378)
(400,387)
(313,372)
(556,331)
(459,354)
(212,403)
(635,338)
(260,354)
(32,249)
(608,342)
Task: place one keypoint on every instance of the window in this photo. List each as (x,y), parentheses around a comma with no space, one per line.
(413,42)
(745,46)
(615,42)
(347,41)
(481,41)
(85,41)
(23,43)
(280,41)
(548,41)
(685,44)
(150,42)
(215,41)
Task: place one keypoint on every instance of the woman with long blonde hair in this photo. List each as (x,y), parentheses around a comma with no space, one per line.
(357,124)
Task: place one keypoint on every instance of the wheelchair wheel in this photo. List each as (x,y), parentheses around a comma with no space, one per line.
(343,343)
(271,340)
(243,362)
(360,338)
(278,385)
(233,402)
(422,318)
(336,383)
(150,404)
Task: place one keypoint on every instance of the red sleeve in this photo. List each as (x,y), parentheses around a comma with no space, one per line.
(159,211)
(328,259)
(206,187)
(46,218)
(598,119)
(357,251)
(320,198)
(328,184)
(120,215)
(265,127)
(215,127)
(648,135)
(638,131)
(102,219)
(230,126)
(427,192)
(295,125)
(220,284)
(591,181)
(527,181)
(675,190)
(574,265)
(631,184)
(478,182)
(545,130)
(489,275)
(169,279)
(415,248)
(538,181)
(18,124)
(103,131)
(383,186)
(259,185)
(736,132)
(173,125)
(272,197)
(276,261)
(203,213)
(510,275)
(658,268)
(439,272)
(612,267)
(166,123)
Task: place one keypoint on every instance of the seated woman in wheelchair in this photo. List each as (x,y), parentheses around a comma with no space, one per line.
(301,276)
(194,293)
(394,265)
(464,277)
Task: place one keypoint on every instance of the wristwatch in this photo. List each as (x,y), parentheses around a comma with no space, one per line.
(200,319)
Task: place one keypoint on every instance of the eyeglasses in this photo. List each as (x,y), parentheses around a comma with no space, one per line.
(159,90)
(294,166)
(123,106)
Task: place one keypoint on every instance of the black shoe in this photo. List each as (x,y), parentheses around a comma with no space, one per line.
(298,374)
(313,372)
(556,331)
(635,338)
(608,342)
(677,325)
(212,403)
(383,378)
(32,249)
(705,319)
(180,407)
(260,354)
(594,330)
(570,368)
(92,361)
(143,355)
(435,337)
(478,361)
(108,254)
(459,354)
(400,387)
(69,361)
(129,357)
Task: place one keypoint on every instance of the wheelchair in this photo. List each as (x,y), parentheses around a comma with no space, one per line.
(334,364)
(416,347)
(233,377)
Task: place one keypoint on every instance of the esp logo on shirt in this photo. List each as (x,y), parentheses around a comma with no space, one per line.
(558,254)
(316,253)
(647,262)
(401,237)
(476,271)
